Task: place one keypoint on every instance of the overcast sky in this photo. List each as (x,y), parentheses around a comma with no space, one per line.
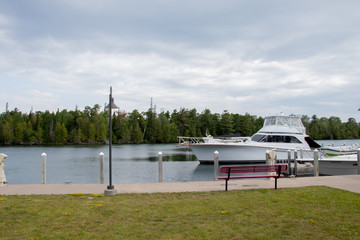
(259,57)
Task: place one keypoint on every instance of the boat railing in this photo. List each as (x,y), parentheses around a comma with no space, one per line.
(299,161)
(190,140)
(301,154)
(209,139)
(232,139)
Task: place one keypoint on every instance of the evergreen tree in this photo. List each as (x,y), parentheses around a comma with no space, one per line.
(61,133)
(352,128)
(206,123)
(91,126)
(226,123)
(19,132)
(151,131)
(6,133)
(135,131)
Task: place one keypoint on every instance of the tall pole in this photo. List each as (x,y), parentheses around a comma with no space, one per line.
(110,188)
(110,141)
(101,155)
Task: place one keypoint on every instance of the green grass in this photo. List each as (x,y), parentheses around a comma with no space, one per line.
(296,213)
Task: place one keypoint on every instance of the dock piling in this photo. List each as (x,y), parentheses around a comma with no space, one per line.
(289,162)
(295,162)
(160,155)
(316,163)
(358,160)
(216,165)
(43,172)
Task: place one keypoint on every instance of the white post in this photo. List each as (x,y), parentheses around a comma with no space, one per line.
(316,163)
(101,155)
(358,160)
(43,175)
(295,162)
(216,165)
(160,167)
(289,162)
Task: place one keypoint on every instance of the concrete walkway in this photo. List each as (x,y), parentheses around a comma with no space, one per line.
(346,182)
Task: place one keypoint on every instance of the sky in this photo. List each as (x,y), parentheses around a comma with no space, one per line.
(245,56)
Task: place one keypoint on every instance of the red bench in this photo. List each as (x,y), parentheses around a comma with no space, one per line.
(262,171)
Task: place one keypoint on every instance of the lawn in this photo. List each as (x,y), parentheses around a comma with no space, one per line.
(294,213)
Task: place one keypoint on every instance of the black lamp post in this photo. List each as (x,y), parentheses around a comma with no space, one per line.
(110,188)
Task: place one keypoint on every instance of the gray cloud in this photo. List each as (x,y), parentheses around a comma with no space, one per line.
(259,57)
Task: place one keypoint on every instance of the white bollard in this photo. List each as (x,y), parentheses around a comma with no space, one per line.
(3,181)
(295,162)
(316,163)
(101,155)
(160,166)
(216,165)
(358,160)
(43,175)
(289,162)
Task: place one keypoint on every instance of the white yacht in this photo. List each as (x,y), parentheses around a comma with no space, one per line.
(278,132)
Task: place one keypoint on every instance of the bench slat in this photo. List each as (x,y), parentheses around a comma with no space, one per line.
(253,168)
(250,176)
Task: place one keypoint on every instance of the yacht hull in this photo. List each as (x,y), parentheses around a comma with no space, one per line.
(339,165)
(234,153)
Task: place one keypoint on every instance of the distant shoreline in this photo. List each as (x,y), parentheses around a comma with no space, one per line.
(107,143)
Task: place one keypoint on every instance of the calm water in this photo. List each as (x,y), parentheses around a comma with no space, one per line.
(81,164)
(131,163)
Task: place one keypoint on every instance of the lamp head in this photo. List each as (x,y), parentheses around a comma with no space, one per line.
(113,105)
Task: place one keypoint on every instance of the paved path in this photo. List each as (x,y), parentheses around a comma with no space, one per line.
(346,182)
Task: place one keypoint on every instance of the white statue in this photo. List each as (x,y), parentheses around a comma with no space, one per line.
(2,172)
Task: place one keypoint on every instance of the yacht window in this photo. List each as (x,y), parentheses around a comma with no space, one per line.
(294,139)
(257,138)
(280,139)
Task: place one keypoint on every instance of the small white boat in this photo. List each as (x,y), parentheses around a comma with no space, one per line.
(340,150)
(278,132)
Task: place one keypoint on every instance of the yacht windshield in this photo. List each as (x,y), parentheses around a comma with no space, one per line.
(257,137)
(288,121)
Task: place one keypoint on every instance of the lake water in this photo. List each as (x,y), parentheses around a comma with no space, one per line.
(131,163)
(81,164)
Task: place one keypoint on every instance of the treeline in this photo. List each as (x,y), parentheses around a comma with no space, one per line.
(90,126)
(331,128)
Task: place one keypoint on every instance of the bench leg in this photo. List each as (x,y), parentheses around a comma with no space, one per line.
(278,175)
(226,185)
